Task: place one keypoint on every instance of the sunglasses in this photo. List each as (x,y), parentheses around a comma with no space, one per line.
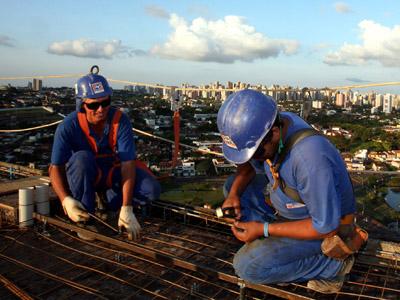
(96,105)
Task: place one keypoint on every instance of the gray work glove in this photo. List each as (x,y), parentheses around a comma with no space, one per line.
(74,209)
(128,220)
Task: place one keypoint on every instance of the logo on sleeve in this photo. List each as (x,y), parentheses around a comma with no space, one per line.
(97,87)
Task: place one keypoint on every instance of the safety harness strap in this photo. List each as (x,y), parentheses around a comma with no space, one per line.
(83,123)
(274,168)
(112,135)
(112,142)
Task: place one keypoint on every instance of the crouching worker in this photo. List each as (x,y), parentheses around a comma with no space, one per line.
(94,156)
(310,190)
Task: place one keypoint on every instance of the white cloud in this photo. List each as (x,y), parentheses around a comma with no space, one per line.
(6,41)
(379,43)
(156,11)
(224,41)
(342,8)
(92,49)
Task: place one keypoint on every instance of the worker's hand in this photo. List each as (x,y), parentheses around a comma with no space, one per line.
(248,231)
(233,201)
(74,209)
(128,220)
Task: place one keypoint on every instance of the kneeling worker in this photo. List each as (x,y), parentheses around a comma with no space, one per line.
(94,152)
(320,205)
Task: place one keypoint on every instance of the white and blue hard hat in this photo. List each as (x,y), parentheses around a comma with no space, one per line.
(244,119)
(91,86)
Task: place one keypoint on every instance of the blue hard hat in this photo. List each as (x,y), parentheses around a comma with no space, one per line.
(91,86)
(244,119)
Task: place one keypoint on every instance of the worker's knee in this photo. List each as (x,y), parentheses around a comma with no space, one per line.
(252,264)
(248,269)
(82,162)
(147,188)
(153,189)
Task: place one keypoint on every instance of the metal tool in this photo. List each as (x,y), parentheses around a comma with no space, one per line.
(226,212)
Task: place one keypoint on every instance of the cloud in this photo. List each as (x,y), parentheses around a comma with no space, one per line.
(156,11)
(225,41)
(6,41)
(357,80)
(342,8)
(379,43)
(93,49)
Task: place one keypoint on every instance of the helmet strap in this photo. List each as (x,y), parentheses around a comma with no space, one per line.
(281,146)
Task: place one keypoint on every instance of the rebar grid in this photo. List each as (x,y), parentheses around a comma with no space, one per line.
(374,259)
(205,249)
(169,285)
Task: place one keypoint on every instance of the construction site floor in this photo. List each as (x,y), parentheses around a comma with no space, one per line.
(179,257)
(184,253)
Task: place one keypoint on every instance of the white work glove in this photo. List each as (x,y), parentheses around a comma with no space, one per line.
(74,209)
(128,220)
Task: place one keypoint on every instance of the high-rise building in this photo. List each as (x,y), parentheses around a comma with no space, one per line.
(387,103)
(340,100)
(378,100)
(355,99)
(396,101)
(37,84)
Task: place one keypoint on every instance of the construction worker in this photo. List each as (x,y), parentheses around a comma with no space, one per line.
(288,250)
(94,154)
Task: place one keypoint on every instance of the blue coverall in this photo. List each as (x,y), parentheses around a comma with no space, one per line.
(72,149)
(316,170)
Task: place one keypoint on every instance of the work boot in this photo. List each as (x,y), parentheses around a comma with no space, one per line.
(333,285)
(101,211)
(87,236)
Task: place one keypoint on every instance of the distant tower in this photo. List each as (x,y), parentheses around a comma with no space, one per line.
(340,99)
(387,103)
(378,100)
(37,84)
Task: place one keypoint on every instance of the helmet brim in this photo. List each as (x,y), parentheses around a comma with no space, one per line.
(236,156)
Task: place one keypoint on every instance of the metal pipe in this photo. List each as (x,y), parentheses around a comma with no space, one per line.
(25,207)
(42,199)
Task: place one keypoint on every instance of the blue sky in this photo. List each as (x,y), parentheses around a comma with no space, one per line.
(299,43)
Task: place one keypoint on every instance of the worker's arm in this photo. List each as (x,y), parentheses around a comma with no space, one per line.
(244,174)
(300,229)
(58,179)
(72,207)
(128,175)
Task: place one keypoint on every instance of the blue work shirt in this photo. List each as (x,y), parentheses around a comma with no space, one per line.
(315,168)
(69,138)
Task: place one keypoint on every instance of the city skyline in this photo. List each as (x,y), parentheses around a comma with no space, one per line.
(296,43)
